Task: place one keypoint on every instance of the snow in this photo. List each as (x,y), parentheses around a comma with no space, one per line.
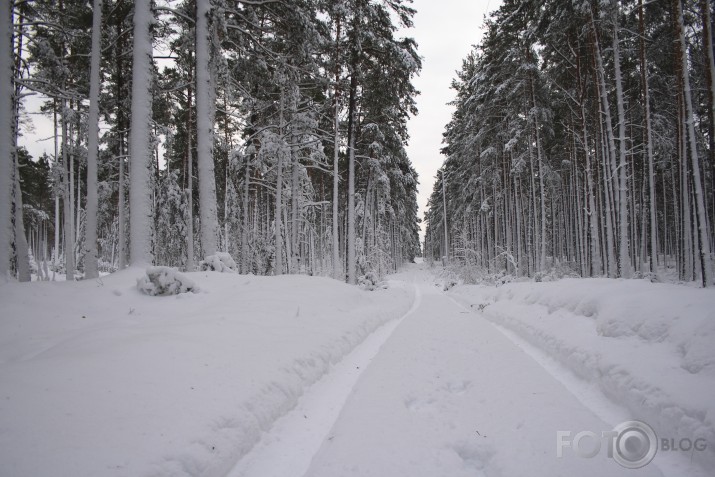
(449,395)
(291,443)
(163,281)
(99,379)
(648,346)
(306,376)
(219,262)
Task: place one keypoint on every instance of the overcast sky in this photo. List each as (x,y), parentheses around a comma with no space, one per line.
(445,31)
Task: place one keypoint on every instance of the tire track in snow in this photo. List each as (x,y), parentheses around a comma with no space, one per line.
(671,464)
(287,449)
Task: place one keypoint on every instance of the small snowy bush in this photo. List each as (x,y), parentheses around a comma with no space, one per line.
(219,262)
(370,281)
(162,281)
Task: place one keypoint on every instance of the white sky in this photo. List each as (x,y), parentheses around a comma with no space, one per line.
(445,31)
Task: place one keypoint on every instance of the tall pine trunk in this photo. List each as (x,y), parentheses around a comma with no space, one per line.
(190,266)
(245,262)
(205,112)
(122,152)
(295,191)
(67,198)
(610,153)
(624,259)
(90,259)
(21,249)
(649,141)
(350,234)
(701,215)
(444,218)
(705,8)
(337,266)
(140,148)
(279,191)
(57,193)
(6,136)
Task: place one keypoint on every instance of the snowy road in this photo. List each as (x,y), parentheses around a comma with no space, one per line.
(441,392)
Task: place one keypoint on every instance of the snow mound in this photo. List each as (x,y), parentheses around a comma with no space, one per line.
(219,262)
(649,347)
(164,281)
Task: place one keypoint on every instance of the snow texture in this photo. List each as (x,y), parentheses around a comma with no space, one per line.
(306,376)
(649,347)
(219,262)
(97,379)
(163,281)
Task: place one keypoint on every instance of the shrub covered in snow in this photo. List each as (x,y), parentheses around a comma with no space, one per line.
(219,262)
(370,281)
(162,281)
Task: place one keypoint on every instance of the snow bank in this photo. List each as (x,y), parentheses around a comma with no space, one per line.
(98,379)
(163,281)
(649,347)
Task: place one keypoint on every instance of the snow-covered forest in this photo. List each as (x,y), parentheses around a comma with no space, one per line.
(273,131)
(582,144)
(215,268)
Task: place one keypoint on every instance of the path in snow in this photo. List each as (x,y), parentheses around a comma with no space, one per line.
(287,449)
(439,392)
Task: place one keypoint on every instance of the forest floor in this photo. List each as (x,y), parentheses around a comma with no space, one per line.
(303,376)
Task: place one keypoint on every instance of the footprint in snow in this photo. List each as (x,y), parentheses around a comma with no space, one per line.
(458,387)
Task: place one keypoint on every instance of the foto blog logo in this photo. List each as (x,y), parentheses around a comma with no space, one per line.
(633,444)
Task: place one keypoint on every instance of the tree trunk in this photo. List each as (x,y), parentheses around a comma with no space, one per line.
(205,112)
(701,215)
(90,260)
(337,266)
(57,193)
(649,142)
(705,7)
(245,262)
(190,266)
(140,194)
(122,152)
(279,193)
(350,234)
(6,136)
(352,132)
(624,259)
(608,129)
(21,249)
(67,201)
(444,218)
(295,185)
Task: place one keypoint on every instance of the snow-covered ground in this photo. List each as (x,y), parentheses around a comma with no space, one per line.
(97,379)
(648,347)
(292,376)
